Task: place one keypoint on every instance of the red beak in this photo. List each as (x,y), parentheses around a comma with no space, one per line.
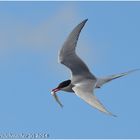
(56,89)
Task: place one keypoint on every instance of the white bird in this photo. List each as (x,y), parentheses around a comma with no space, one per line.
(82,81)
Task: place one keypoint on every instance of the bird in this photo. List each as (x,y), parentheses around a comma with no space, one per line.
(82,82)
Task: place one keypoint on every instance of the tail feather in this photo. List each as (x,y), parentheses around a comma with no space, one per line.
(102,81)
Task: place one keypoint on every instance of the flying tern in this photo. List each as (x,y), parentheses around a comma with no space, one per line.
(82,81)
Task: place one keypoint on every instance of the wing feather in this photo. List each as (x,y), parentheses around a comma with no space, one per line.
(68,56)
(85,92)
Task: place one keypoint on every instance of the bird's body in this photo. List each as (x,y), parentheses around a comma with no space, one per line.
(82,81)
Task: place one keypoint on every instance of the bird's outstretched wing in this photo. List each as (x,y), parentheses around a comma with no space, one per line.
(67,54)
(85,92)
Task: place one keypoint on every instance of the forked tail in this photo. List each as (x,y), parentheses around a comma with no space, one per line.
(102,81)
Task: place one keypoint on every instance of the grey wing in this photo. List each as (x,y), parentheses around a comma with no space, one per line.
(67,55)
(85,92)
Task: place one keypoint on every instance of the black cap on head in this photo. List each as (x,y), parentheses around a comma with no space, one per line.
(64,84)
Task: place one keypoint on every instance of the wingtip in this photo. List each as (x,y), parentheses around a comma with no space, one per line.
(113,115)
(134,70)
(85,20)
(61,106)
(109,113)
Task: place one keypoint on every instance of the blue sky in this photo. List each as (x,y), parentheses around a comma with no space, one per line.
(32,33)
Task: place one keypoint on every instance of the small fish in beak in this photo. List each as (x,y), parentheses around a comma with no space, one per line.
(53,93)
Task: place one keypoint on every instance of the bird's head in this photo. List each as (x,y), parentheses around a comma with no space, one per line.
(62,85)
